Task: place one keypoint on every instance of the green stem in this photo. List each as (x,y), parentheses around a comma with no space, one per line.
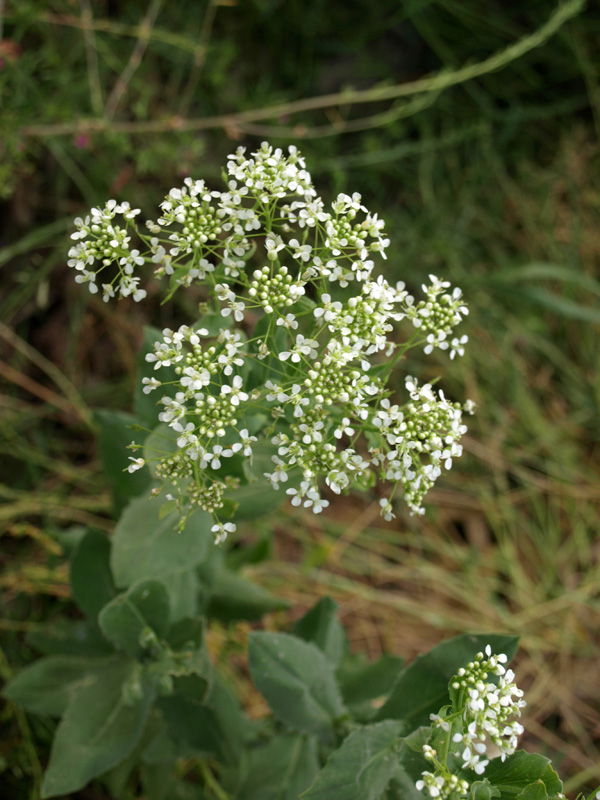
(212,782)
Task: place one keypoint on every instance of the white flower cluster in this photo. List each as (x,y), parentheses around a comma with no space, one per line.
(483,711)
(442,783)
(445,786)
(439,315)
(101,241)
(304,349)
(422,438)
(489,711)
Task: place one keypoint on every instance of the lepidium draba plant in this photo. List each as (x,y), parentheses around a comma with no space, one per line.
(307,336)
(280,382)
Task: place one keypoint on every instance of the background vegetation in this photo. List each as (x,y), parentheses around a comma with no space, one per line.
(486,174)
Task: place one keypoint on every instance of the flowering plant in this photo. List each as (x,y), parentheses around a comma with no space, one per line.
(282,380)
(302,348)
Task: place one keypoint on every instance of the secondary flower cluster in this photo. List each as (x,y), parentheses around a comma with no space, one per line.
(442,783)
(101,241)
(490,709)
(482,711)
(305,345)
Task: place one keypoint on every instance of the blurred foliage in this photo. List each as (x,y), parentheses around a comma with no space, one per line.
(122,65)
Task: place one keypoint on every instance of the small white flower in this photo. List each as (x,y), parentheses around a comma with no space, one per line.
(279,475)
(235,308)
(219,452)
(303,347)
(337,481)
(343,428)
(386,510)
(273,245)
(137,463)
(245,444)
(474,762)
(301,251)
(222,530)
(289,321)
(457,346)
(237,396)
(150,384)
(108,292)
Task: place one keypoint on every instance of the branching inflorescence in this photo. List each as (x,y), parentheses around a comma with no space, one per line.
(304,349)
(486,705)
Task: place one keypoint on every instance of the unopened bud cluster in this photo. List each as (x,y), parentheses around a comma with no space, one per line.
(306,343)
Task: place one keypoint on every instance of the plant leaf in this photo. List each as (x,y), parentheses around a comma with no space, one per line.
(162,441)
(296,680)
(215,725)
(412,763)
(421,688)
(234,597)
(92,583)
(518,772)
(483,790)
(321,626)
(144,546)
(144,606)
(183,588)
(261,550)
(99,728)
(280,770)
(185,656)
(70,637)
(534,791)
(363,766)
(362,682)
(46,686)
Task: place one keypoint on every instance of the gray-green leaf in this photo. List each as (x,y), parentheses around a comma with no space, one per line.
(99,728)
(534,791)
(183,588)
(363,766)
(297,681)
(144,606)
(280,770)
(421,689)
(144,546)
(483,790)
(513,776)
(92,583)
(215,725)
(70,637)
(361,682)
(46,686)
(234,597)
(321,626)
